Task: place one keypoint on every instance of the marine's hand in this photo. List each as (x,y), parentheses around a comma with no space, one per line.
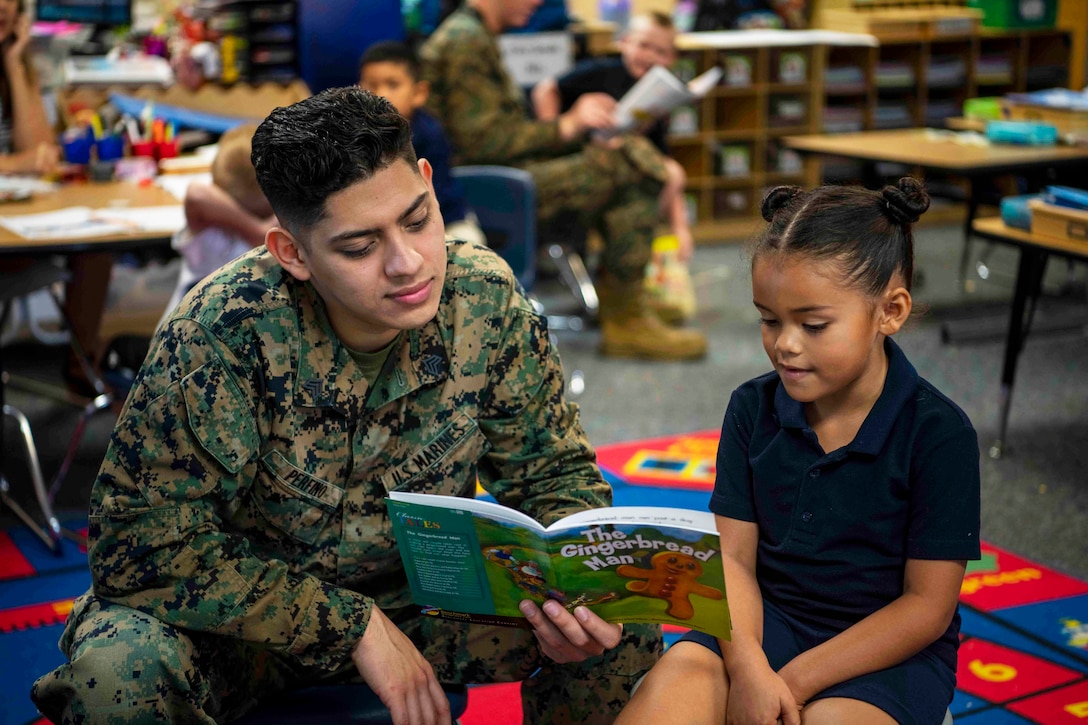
(399,675)
(590,111)
(566,637)
(758,695)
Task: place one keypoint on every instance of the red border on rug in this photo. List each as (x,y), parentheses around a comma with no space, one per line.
(13,565)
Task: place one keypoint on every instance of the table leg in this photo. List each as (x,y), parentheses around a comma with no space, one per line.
(965,253)
(1029,276)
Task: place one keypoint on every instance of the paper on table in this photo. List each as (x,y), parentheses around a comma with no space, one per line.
(28,184)
(146,218)
(73,222)
(178,184)
(82,221)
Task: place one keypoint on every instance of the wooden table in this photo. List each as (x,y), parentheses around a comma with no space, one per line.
(1034,252)
(94,195)
(938,150)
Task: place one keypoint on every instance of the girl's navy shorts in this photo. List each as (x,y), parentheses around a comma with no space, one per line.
(914,692)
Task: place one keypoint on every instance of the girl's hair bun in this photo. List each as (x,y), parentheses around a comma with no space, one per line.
(777,198)
(906,201)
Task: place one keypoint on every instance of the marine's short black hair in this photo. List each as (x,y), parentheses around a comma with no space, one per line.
(308,151)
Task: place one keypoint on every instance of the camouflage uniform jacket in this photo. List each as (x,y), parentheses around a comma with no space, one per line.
(482,109)
(242,491)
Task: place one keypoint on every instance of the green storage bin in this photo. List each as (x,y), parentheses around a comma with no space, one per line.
(1017,13)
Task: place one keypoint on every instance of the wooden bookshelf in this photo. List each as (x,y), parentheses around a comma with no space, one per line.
(920,81)
(728,143)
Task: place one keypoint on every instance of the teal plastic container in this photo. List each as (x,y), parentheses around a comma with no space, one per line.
(1017,13)
(1025,133)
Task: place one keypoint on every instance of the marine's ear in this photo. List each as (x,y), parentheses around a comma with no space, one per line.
(288,251)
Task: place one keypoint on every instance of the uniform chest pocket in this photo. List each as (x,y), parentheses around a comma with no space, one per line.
(442,463)
(292,500)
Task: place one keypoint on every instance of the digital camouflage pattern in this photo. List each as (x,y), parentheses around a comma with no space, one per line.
(240,502)
(225,678)
(486,116)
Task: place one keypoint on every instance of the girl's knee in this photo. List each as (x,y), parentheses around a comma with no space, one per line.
(687,682)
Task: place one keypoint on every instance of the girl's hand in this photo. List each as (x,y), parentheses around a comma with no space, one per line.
(19,39)
(758,696)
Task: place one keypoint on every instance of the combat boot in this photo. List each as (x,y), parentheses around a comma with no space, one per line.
(667,310)
(630,329)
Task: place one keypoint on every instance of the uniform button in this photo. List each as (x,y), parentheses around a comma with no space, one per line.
(815,473)
(806,516)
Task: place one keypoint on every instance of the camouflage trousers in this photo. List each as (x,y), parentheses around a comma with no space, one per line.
(612,190)
(128,667)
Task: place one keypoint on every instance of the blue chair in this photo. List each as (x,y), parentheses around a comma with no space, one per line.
(504,199)
(347,703)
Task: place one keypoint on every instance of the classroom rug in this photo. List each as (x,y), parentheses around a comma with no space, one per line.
(1023,658)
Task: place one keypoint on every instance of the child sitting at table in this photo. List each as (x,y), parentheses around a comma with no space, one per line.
(27,146)
(223,219)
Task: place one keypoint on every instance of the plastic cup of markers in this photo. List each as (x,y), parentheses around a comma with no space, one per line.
(110,148)
(166,149)
(77,147)
(144,148)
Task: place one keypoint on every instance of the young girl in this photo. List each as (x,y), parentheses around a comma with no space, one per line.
(847,493)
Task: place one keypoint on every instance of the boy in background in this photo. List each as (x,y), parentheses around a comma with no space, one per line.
(648,41)
(223,219)
(391,69)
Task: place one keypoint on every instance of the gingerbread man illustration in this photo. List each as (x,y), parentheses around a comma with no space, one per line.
(673,577)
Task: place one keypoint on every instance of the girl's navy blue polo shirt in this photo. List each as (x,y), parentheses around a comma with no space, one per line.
(836,528)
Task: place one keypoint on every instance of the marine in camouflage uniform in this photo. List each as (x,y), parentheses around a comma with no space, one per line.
(238,537)
(613,188)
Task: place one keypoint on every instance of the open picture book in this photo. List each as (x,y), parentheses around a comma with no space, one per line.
(476,560)
(657,93)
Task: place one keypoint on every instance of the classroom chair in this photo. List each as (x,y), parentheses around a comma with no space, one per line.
(347,703)
(15,286)
(565,243)
(504,199)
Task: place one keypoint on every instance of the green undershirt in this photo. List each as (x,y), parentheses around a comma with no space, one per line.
(371,362)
